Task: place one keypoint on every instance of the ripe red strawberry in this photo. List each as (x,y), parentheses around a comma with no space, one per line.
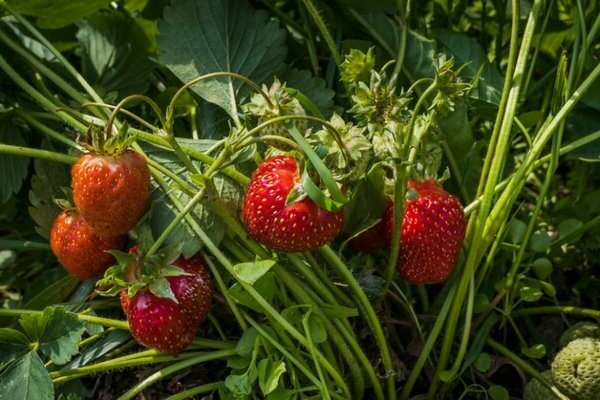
(111,191)
(194,292)
(433,231)
(373,238)
(300,226)
(159,323)
(81,252)
(163,324)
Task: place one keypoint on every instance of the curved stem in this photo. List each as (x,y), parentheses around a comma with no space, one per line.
(126,112)
(524,366)
(170,109)
(128,99)
(171,369)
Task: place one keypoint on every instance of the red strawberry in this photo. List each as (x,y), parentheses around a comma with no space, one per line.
(159,323)
(433,231)
(300,226)
(79,250)
(373,238)
(111,191)
(180,321)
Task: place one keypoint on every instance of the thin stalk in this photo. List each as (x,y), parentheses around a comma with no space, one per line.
(524,366)
(122,111)
(129,99)
(499,156)
(36,153)
(312,10)
(171,369)
(54,51)
(193,153)
(175,222)
(186,394)
(582,312)
(517,181)
(42,68)
(45,129)
(37,96)
(402,173)
(538,163)
(171,107)
(116,363)
(363,304)
(7,244)
(428,347)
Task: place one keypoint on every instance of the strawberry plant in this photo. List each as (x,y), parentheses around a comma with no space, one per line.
(322,199)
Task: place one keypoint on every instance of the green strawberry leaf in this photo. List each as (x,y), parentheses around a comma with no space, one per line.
(250,272)
(12,344)
(225,45)
(116,52)
(27,379)
(266,286)
(54,14)
(269,373)
(313,88)
(56,331)
(13,168)
(97,349)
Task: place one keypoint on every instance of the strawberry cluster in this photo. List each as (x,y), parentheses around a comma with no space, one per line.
(110,193)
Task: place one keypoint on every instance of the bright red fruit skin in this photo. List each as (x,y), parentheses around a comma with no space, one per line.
(159,323)
(300,226)
(81,252)
(111,192)
(194,292)
(433,231)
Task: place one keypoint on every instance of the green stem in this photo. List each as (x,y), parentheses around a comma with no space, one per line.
(41,67)
(171,369)
(186,394)
(171,107)
(193,153)
(363,304)
(312,10)
(583,312)
(428,347)
(36,153)
(524,366)
(54,51)
(46,130)
(129,99)
(175,222)
(37,96)
(7,244)
(474,205)
(500,153)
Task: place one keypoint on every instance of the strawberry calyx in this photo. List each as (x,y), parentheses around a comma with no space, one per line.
(135,271)
(99,141)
